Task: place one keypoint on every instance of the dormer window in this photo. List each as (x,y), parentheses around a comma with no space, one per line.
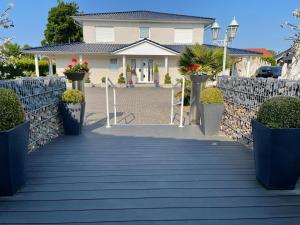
(144,33)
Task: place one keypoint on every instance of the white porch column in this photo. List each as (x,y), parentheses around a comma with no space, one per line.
(50,66)
(248,66)
(124,66)
(36,61)
(166,64)
(80,58)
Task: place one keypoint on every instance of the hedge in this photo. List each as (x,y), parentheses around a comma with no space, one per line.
(24,67)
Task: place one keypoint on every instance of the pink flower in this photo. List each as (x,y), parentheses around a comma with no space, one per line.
(75,60)
(70,66)
(85,62)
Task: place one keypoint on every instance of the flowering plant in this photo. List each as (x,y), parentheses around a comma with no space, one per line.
(196,70)
(156,81)
(130,82)
(77,67)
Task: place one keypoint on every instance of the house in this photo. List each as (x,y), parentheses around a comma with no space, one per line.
(138,38)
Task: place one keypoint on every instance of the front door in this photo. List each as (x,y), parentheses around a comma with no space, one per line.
(145,70)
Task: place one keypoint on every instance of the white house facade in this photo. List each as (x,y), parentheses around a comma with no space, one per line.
(138,38)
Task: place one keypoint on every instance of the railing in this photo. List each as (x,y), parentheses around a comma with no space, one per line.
(108,83)
(182,82)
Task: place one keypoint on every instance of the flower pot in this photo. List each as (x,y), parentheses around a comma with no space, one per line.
(211,118)
(196,82)
(75,76)
(14,146)
(156,85)
(73,117)
(277,156)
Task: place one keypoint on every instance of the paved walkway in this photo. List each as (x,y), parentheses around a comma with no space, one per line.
(134,106)
(146,175)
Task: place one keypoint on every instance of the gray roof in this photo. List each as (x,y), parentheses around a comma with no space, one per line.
(145,15)
(103,48)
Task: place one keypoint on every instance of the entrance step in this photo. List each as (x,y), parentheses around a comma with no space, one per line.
(144,85)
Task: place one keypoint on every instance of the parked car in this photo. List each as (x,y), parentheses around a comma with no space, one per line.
(268,71)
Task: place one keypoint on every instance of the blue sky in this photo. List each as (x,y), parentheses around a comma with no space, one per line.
(259,19)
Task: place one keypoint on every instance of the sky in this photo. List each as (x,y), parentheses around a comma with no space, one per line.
(259,20)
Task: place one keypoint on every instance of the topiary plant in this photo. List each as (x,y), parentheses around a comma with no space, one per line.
(72,96)
(280,112)
(103,79)
(11,111)
(168,79)
(128,68)
(155,68)
(121,79)
(211,96)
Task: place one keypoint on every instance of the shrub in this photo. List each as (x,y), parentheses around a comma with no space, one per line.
(128,69)
(103,79)
(11,111)
(73,96)
(121,79)
(168,79)
(155,68)
(280,112)
(211,96)
(87,80)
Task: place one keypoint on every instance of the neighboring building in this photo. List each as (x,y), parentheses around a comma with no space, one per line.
(138,38)
(290,62)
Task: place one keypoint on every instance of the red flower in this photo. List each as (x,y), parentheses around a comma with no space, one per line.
(85,62)
(75,60)
(187,68)
(130,82)
(70,66)
(156,81)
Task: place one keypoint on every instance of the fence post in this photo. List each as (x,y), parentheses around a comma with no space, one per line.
(107,103)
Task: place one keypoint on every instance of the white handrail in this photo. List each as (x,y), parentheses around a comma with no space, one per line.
(107,83)
(181,104)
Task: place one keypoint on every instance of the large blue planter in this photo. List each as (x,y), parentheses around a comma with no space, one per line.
(73,117)
(277,156)
(13,150)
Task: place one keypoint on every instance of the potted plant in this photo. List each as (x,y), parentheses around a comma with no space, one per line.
(76,71)
(211,110)
(121,80)
(128,73)
(72,109)
(276,135)
(156,76)
(87,82)
(14,136)
(168,81)
(103,83)
(130,84)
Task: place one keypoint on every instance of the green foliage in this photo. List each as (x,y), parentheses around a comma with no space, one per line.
(128,68)
(87,80)
(211,96)
(270,60)
(61,28)
(211,59)
(11,111)
(23,67)
(187,93)
(121,79)
(168,79)
(103,79)
(12,50)
(280,112)
(155,68)
(72,96)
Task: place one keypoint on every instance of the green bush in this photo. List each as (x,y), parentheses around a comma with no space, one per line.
(280,112)
(128,68)
(23,67)
(211,96)
(73,96)
(87,80)
(168,79)
(155,68)
(121,79)
(11,111)
(103,79)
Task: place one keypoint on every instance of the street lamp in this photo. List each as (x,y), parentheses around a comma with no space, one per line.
(230,35)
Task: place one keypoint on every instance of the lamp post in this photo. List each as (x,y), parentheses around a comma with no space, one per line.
(230,35)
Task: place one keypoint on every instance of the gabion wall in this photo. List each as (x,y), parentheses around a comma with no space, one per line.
(40,98)
(244,96)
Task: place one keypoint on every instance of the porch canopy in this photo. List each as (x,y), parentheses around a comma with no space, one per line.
(141,47)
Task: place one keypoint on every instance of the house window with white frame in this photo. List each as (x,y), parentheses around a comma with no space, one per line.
(105,34)
(114,63)
(183,36)
(144,32)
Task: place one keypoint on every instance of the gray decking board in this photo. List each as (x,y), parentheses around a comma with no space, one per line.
(107,177)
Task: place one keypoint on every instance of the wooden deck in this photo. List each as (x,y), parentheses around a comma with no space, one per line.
(150,175)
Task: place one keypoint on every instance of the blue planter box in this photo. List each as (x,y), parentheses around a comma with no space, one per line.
(277,156)
(73,117)
(13,150)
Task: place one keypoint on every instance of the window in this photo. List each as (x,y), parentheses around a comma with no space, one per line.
(144,32)
(183,36)
(105,34)
(114,63)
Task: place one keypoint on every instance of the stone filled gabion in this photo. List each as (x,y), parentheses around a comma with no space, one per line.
(243,98)
(40,98)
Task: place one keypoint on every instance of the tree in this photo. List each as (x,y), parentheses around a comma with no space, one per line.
(61,28)
(11,49)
